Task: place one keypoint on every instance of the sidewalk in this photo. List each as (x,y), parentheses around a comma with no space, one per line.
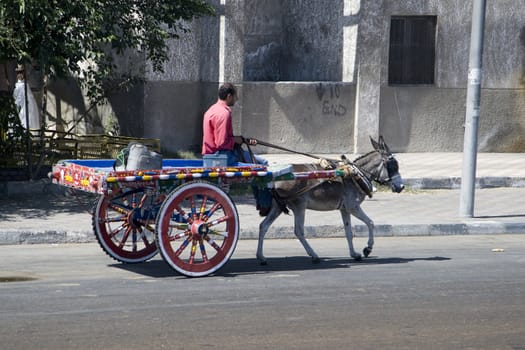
(442,170)
(40,212)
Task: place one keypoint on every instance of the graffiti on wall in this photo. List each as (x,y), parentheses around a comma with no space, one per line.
(330,97)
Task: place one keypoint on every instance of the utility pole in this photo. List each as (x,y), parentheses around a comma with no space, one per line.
(468,178)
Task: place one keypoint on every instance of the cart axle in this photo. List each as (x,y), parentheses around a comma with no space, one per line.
(199,229)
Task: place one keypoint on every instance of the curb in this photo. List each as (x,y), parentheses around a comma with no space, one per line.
(336,231)
(13,237)
(454,183)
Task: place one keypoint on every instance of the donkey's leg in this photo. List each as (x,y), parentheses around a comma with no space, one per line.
(299,211)
(360,214)
(345,215)
(274,213)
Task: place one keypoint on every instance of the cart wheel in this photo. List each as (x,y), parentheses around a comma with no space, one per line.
(124,224)
(197,229)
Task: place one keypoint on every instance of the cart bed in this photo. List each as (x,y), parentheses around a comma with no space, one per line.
(94,175)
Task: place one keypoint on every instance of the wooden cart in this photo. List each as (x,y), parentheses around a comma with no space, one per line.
(181,210)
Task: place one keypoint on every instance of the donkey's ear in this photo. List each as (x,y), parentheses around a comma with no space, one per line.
(376,145)
(383,144)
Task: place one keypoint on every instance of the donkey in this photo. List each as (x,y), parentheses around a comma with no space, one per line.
(343,194)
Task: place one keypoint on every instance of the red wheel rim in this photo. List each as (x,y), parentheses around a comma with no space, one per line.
(124,225)
(197,229)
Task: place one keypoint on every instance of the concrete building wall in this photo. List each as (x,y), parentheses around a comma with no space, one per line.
(431,118)
(175,100)
(307,117)
(263,40)
(313,76)
(295,40)
(312,43)
(426,119)
(295,89)
(312,40)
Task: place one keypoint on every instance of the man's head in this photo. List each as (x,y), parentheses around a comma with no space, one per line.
(20,72)
(228,93)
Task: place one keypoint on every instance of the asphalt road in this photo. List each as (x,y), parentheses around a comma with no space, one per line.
(440,292)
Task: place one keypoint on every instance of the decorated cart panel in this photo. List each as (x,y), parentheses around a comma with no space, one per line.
(97,176)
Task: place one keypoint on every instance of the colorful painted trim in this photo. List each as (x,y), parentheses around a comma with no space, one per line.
(189,176)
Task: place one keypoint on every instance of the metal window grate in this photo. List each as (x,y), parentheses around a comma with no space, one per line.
(412,50)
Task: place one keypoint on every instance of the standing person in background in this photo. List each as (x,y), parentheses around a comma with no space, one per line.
(19,95)
(218,139)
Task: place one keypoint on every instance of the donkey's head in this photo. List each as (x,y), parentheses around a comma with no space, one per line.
(389,173)
(381,166)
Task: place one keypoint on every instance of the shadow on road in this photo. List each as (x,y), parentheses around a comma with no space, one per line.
(238,267)
(43,205)
(152,268)
(385,261)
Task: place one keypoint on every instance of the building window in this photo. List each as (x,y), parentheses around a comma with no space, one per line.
(412,50)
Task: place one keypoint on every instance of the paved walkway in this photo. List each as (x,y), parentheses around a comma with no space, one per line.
(443,170)
(40,212)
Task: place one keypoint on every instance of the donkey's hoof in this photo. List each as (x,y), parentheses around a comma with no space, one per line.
(262,260)
(316,260)
(358,257)
(367,251)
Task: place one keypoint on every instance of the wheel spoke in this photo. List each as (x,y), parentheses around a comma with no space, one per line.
(117,230)
(146,223)
(134,241)
(148,227)
(203,250)
(179,236)
(183,246)
(176,225)
(183,214)
(202,211)
(143,237)
(192,208)
(218,221)
(179,226)
(223,234)
(193,250)
(143,200)
(213,209)
(212,243)
(119,218)
(119,209)
(125,237)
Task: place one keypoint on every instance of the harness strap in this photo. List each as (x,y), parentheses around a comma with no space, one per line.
(374,178)
(352,170)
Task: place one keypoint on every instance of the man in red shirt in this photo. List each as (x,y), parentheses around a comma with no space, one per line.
(217,129)
(218,139)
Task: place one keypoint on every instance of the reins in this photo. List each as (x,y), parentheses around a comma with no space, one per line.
(360,179)
(267,144)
